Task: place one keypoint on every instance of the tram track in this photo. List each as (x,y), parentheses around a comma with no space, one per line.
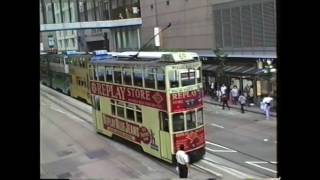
(170,168)
(67,104)
(67,108)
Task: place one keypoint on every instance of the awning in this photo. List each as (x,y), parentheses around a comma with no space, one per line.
(241,70)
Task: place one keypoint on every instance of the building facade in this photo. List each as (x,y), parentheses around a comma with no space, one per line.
(244,29)
(118,38)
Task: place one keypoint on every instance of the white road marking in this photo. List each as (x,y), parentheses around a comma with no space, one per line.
(265,140)
(216,125)
(219,150)
(254,163)
(273,162)
(209,170)
(228,170)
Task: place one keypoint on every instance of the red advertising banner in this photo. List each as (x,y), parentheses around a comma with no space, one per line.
(130,131)
(134,95)
(183,101)
(190,140)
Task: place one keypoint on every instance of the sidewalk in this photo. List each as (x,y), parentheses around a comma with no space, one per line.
(253,109)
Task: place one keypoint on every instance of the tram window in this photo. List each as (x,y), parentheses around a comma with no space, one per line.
(191,120)
(120,111)
(178,122)
(198,75)
(137,77)
(97,100)
(94,73)
(127,78)
(164,121)
(149,78)
(117,77)
(109,74)
(113,108)
(91,73)
(130,105)
(160,79)
(130,114)
(200,117)
(188,77)
(101,71)
(173,78)
(139,116)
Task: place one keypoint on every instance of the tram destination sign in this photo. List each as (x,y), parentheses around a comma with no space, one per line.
(144,97)
(183,101)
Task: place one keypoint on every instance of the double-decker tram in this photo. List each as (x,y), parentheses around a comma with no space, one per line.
(78,70)
(44,69)
(153,99)
(59,73)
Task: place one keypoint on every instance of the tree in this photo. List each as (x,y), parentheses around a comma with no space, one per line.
(221,59)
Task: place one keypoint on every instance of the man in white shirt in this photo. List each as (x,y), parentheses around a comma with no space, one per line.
(183,162)
(267,101)
(234,93)
(223,89)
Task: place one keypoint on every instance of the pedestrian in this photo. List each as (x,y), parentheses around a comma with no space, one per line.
(234,95)
(242,101)
(267,101)
(212,89)
(183,162)
(251,94)
(224,99)
(223,89)
(218,94)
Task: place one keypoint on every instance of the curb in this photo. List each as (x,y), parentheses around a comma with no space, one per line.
(234,107)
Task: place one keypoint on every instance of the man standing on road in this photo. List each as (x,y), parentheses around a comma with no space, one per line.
(183,162)
(225,99)
(267,101)
(223,89)
(234,94)
(242,100)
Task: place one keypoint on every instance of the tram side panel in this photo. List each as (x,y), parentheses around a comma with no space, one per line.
(79,87)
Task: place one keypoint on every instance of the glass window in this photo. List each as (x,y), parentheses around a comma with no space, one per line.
(178,122)
(160,79)
(188,77)
(130,105)
(117,77)
(91,73)
(164,121)
(198,75)
(191,120)
(139,116)
(200,117)
(113,109)
(149,78)
(101,71)
(127,76)
(137,77)
(109,74)
(120,111)
(94,73)
(130,114)
(173,78)
(97,100)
